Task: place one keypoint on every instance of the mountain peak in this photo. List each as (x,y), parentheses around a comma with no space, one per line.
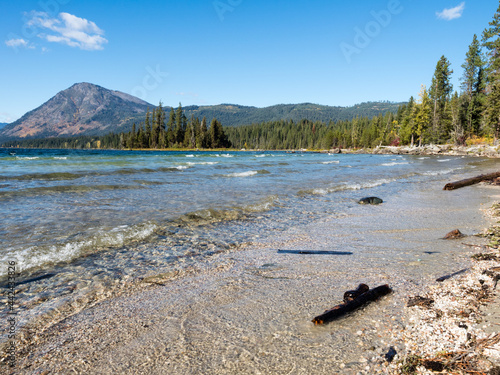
(83,108)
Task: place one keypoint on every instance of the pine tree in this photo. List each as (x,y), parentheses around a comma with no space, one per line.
(491,41)
(160,121)
(439,92)
(170,136)
(473,85)
(201,139)
(180,125)
(422,115)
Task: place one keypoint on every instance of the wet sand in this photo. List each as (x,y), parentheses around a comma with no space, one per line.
(249,311)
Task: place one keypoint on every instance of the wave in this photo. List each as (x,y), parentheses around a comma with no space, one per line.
(247,174)
(393,164)
(202,163)
(443,160)
(344,186)
(32,192)
(213,215)
(331,162)
(37,256)
(60,157)
(27,157)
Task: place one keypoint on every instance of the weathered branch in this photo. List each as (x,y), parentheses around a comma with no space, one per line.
(314,252)
(471,181)
(347,307)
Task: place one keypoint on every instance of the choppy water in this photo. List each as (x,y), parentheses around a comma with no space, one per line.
(77,221)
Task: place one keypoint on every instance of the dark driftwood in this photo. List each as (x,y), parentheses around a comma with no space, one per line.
(314,252)
(353,294)
(347,307)
(443,278)
(471,181)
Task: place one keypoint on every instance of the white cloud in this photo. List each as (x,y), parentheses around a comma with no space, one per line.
(452,13)
(14,43)
(68,29)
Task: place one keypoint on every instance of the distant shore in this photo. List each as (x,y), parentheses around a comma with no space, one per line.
(480,150)
(451,150)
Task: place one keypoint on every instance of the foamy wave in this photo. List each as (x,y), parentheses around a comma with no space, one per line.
(331,162)
(60,157)
(224,155)
(242,174)
(36,256)
(393,164)
(443,160)
(202,163)
(441,172)
(344,187)
(190,156)
(27,157)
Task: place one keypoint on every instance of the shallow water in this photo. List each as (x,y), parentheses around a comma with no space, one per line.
(87,221)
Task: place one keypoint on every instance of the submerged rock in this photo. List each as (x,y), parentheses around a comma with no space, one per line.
(454,234)
(370,200)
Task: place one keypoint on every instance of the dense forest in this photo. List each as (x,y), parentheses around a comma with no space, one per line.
(177,132)
(439,115)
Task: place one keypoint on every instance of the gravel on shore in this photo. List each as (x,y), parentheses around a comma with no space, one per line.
(455,329)
(452,150)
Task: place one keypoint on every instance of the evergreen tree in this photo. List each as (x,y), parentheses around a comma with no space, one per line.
(491,41)
(180,125)
(160,121)
(201,139)
(422,115)
(171,128)
(439,92)
(473,85)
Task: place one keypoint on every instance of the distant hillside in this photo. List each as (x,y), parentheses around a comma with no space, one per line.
(88,109)
(236,115)
(2,124)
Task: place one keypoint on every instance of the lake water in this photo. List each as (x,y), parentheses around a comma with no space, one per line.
(76,222)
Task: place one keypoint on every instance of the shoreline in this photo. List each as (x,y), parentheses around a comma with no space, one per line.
(236,280)
(456,328)
(477,150)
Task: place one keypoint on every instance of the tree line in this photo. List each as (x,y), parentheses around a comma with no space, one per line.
(177,132)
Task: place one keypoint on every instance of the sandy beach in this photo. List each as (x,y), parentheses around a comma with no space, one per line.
(249,310)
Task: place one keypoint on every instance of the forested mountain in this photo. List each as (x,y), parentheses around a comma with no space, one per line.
(2,124)
(236,115)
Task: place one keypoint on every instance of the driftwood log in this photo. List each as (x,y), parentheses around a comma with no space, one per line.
(446,277)
(347,307)
(353,294)
(471,181)
(315,252)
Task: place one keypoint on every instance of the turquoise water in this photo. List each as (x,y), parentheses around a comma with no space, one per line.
(77,221)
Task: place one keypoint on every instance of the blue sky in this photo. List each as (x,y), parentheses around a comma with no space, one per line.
(249,52)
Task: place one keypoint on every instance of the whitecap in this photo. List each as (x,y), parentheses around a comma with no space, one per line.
(242,174)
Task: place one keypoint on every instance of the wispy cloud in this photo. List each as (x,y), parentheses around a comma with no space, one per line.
(15,43)
(68,29)
(449,14)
